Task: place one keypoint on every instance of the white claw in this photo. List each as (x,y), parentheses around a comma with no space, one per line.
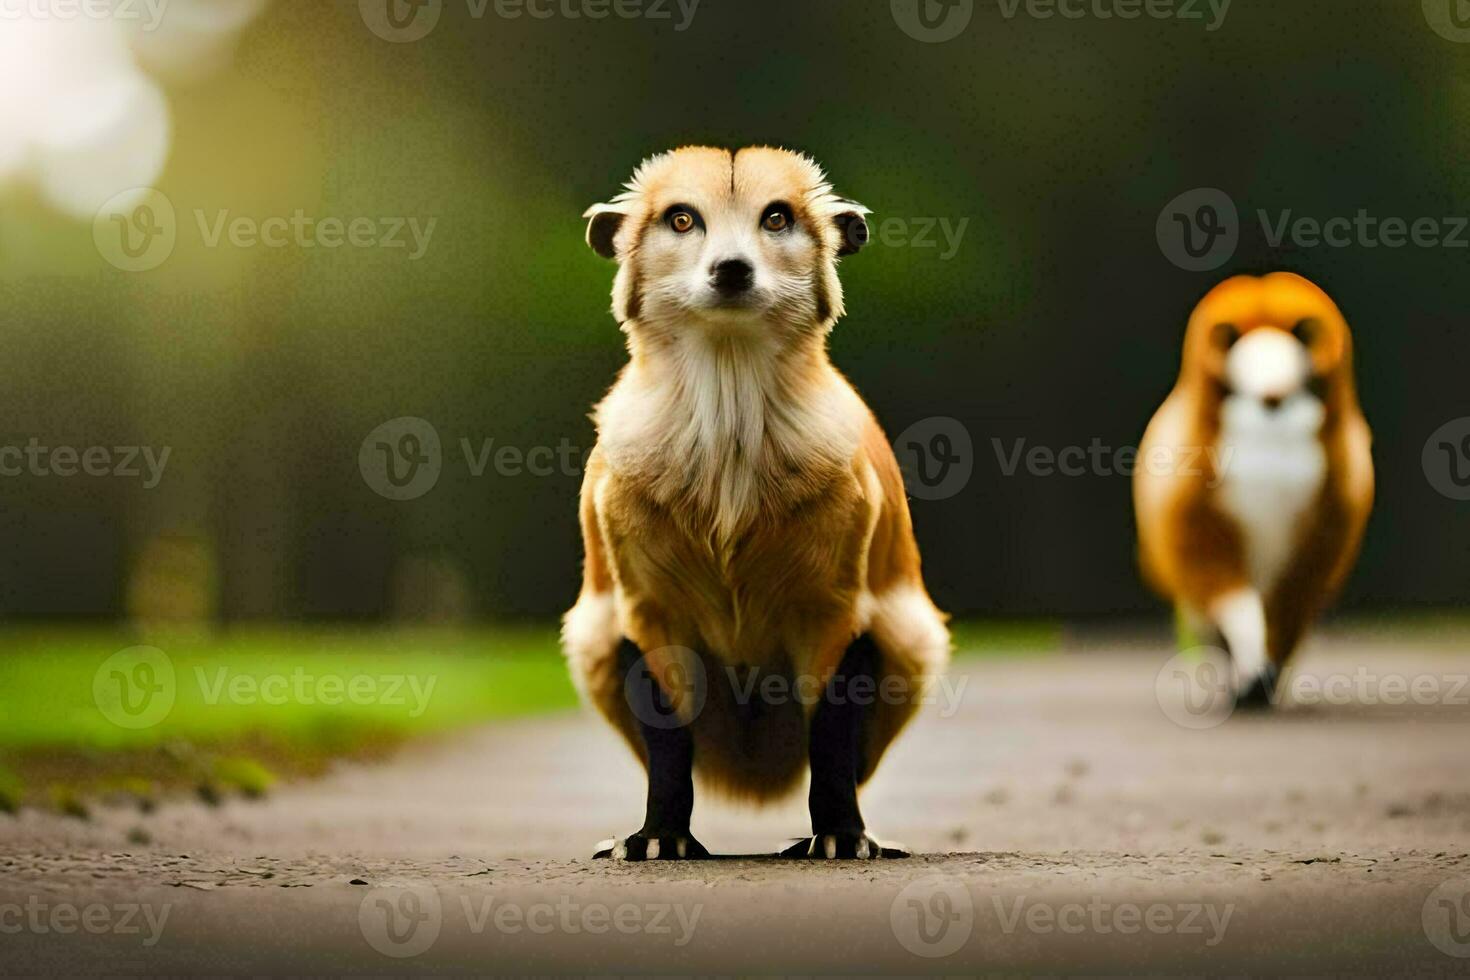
(682,847)
(620,850)
(653,849)
(862,849)
(811,848)
(829,844)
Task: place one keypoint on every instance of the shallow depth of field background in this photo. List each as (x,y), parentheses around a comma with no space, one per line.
(1057,320)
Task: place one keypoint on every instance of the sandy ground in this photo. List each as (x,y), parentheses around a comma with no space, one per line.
(1065,824)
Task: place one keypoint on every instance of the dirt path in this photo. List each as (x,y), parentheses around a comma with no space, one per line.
(1068,824)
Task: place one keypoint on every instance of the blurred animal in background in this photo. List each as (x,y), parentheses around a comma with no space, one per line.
(1255,477)
(752,605)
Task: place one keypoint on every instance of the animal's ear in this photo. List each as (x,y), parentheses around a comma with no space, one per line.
(603,223)
(852,224)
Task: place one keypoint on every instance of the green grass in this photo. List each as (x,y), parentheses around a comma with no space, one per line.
(247,705)
(282,682)
(989,638)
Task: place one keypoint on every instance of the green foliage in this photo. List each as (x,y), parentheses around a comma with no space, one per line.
(12,788)
(244,774)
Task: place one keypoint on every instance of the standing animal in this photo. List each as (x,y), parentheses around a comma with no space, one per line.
(1255,477)
(751,604)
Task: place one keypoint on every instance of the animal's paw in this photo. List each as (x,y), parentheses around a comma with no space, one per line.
(845,846)
(639,847)
(1259,694)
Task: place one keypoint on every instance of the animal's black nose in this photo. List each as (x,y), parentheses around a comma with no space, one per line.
(732,276)
(1272,402)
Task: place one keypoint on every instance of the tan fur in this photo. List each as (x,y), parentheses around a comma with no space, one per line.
(742,502)
(1191,549)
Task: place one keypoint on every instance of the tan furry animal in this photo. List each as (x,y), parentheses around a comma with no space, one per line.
(751,601)
(1255,477)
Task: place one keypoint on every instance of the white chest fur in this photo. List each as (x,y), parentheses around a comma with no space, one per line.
(1273,466)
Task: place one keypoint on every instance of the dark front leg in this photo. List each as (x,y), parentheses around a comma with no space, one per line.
(835,748)
(835,753)
(668,752)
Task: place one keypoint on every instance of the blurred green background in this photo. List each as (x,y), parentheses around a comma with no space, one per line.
(1056,320)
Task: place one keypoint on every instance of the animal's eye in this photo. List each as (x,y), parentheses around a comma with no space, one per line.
(1225,335)
(681,221)
(777,218)
(1308,331)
